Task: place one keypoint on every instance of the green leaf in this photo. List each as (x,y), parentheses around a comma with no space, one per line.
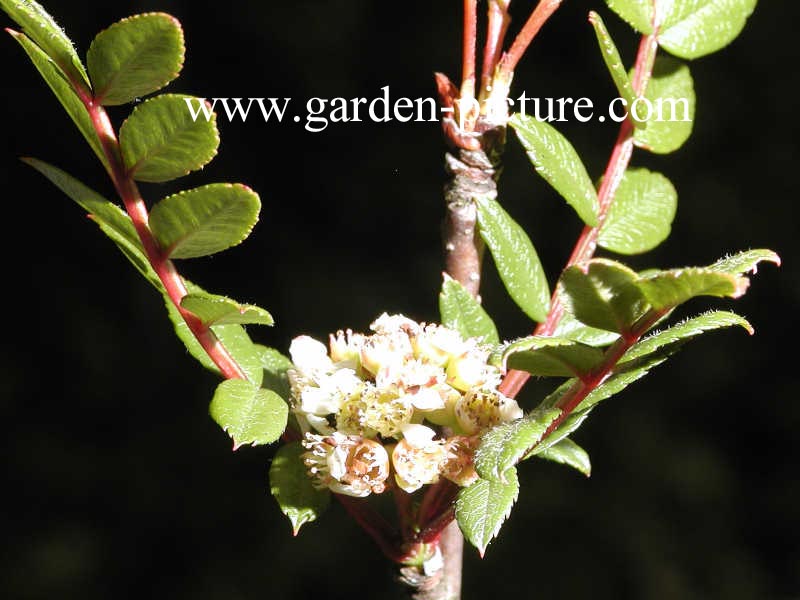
(569,327)
(160,141)
(461,311)
(515,258)
(482,508)
(221,310)
(275,367)
(567,452)
(291,486)
(111,219)
(671,104)
(93,203)
(684,331)
(64,92)
(668,289)
(744,262)
(43,30)
(547,356)
(613,61)
(504,446)
(694,28)
(135,57)
(205,220)
(249,414)
(638,13)
(559,164)
(640,217)
(234,337)
(603,294)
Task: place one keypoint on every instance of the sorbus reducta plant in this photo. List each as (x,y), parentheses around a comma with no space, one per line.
(422,414)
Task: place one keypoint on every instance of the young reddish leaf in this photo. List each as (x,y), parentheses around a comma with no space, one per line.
(161,141)
(135,57)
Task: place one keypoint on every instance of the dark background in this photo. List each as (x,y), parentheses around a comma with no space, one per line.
(119,485)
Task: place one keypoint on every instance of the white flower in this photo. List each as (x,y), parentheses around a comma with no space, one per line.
(470,371)
(394,323)
(310,357)
(458,465)
(481,409)
(346,349)
(333,391)
(346,464)
(437,345)
(417,458)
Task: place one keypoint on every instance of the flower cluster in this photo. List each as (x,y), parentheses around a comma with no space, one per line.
(409,400)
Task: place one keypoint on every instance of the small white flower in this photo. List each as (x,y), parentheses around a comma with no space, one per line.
(394,323)
(310,357)
(333,391)
(470,371)
(437,345)
(346,349)
(458,465)
(481,409)
(417,458)
(346,464)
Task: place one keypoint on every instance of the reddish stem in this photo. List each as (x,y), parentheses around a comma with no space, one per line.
(538,17)
(164,268)
(587,242)
(497,27)
(468,48)
(375,525)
